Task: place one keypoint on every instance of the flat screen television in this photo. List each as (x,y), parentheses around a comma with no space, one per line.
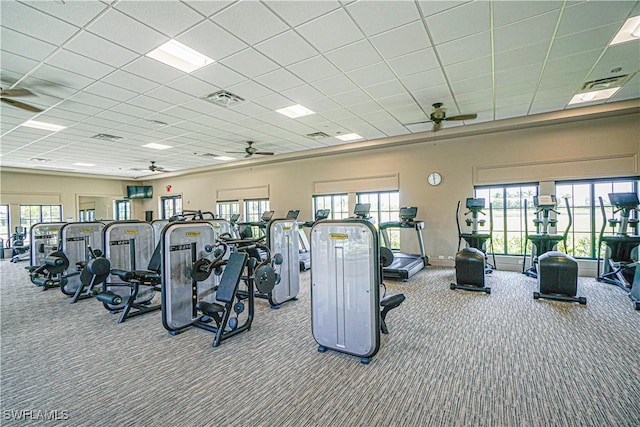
(139,191)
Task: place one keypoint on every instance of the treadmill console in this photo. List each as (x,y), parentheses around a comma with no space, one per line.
(408,214)
(293,214)
(362,210)
(266,216)
(322,214)
(545,202)
(475,204)
(234,218)
(624,200)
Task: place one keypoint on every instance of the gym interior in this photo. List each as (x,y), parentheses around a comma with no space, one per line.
(477,166)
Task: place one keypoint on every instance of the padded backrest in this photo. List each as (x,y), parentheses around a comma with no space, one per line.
(231,277)
(156,258)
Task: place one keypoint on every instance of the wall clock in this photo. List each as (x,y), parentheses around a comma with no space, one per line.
(434,178)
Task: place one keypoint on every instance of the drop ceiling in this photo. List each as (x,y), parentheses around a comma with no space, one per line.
(366,67)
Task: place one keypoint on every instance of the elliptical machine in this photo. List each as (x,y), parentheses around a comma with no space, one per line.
(476,238)
(542,241)
(621,252)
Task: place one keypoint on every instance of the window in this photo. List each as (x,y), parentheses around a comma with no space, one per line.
(171,205)
(123,209)
(508,215)
(338,204)
(226,209)
(4,223)
(385,207)
(584,202)
(32,214)
(253,209)
(85,215)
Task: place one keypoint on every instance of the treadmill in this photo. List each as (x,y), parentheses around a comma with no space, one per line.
(404,265)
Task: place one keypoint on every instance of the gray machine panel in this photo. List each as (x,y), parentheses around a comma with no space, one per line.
(183,244)
(45,236)
(158,225)
(76,238)
(284,239)
(345,286)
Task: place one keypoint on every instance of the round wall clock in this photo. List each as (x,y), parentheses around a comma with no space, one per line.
(434,178)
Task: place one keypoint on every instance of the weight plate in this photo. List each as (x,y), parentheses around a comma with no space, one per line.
(265,279)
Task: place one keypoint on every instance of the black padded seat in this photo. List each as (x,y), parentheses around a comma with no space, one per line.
(209,308)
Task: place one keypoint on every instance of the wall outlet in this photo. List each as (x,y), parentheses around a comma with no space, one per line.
(440,256)
(449,257)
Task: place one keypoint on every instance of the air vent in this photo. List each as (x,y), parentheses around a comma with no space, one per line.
(206,154)
(224,98)
(605,83)
(317,135)
(106,137)
(39,159)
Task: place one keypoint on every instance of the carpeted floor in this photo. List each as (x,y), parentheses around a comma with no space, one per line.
(453,358)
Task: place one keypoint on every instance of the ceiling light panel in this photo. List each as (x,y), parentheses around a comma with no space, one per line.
(180,56)
(42,125)
(349,137)
(630,31)
(596,95)
(156,146)
(295,111)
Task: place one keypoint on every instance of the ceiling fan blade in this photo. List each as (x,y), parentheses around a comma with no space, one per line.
(15,92)
(418,123)
(264,153)
(22,105)
(436,126)
(462,117)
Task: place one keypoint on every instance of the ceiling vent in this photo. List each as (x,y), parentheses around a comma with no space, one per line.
(39,159)
(606,83)
(223,98)
(317,135)
(106,137)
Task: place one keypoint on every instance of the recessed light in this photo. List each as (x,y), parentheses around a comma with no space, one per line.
(180,56)
(84,164)
(295,111)
(630,31)
(224,158)
(157,146)
(42,125)
(595,95)
(349,137)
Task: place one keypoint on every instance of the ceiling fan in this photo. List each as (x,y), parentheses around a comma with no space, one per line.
(7,95)
(439,115)
(250,151)
(154,168)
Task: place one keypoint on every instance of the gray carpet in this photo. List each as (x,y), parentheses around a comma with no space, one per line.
(453,358)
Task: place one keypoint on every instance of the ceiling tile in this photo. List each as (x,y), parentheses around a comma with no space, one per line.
(251,21)
(302,94)
(432,7)
(219,75)
(102,50)
(415,62)
(274,101)
(78,13)
(508,12)
(149,103)
(250,90)
(193,86)
(21,44)
(313,69)
(625,56)
(593,14)
(286,48)
(26,20)
(352,97)
(335,85)
(173,96)
(372,74)
(16,63)
(211,40)
(208,8)
(126,31)
(465,49)
(469,69)
(130,81)
(297,12)
(70,61)
(250,63)
(330,31)
(470,18)
(279,80)
(516,58)
(153,70)
(470,85)
(424,79)
(400,41)
(353,56)
(374,17)
(61,77)
(170,18)
(527,32)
